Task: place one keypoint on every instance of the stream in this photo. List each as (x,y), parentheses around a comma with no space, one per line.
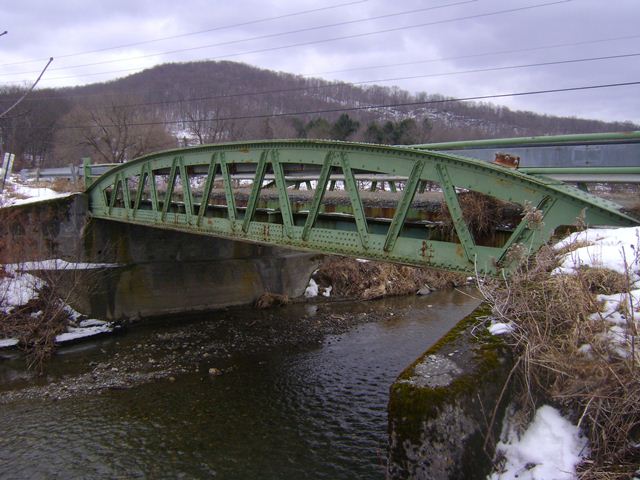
(295,392)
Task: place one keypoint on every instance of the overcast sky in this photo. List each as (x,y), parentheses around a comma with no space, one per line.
(433,41)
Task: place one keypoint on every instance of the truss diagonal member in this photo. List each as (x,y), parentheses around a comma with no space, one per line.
(126,192)
(403,206)
(525,232)
(283,196)
(228,192)
(186,189)
(321,188)
(142,181)
(166,203)
(255,191)
(451,198)
(204,202)
(356,201)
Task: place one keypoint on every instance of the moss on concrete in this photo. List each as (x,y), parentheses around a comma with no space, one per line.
(438,420)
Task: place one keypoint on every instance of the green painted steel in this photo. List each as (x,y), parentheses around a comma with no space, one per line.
(576,170)
(197,190)
(581,139)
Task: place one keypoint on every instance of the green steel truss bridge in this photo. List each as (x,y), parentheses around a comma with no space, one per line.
(408,205)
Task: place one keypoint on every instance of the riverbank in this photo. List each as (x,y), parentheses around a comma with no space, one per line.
(35,318)
(571,315)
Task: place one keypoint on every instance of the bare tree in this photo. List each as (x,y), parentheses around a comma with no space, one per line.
(110,133)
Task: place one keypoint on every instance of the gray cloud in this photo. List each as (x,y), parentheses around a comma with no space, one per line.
(39,29)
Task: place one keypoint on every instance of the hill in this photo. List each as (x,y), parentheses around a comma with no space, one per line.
(208,102)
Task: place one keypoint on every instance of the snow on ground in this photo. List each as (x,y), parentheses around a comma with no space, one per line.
(73,333)
(312,289)
(8,342)
(613,248)
(17,194)
(616,249)
(17,288)
(500,328)
(55,264)
(550,448)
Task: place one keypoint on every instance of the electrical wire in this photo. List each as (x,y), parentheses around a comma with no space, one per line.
(188,34)
(371,107)
(365,82)
(442,59)
(475,55)
(307,43)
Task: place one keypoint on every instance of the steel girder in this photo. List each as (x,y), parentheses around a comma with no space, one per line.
(132,192)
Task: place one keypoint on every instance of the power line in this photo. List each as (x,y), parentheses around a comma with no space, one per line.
(432,60)
(271,35)
(17,102)
(365,82)
(188,34)
(371,107)
(314,42)
(475,55)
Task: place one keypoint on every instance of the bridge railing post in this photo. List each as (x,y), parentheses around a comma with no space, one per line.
(86,171)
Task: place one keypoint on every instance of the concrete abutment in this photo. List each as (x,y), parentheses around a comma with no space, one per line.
(158,272)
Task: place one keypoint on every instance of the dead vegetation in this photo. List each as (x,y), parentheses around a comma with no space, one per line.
(44,315)
(349,277)
(268,300)
(482,213)
(563,357)
(36,325)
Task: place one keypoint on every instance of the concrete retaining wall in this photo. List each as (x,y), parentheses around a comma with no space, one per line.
(440,407)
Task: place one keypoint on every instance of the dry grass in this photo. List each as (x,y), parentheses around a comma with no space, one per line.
(60,185)
(599,389)
(268,300)
(368,280)
(481,213)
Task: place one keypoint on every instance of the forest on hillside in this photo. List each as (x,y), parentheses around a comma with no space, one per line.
(182,104)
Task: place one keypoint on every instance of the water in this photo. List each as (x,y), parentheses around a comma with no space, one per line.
(295,410)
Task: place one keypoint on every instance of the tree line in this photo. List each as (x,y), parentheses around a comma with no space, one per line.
(176,105)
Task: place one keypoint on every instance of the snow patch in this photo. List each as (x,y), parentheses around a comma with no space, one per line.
(617,249)
(8,342)
(78,333)
(55,264)
(29,194)
(550,448)
(312,289)
(499,328)
(18,290)
(612,248)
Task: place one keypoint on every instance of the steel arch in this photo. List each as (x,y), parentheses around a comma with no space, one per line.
(130,193)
